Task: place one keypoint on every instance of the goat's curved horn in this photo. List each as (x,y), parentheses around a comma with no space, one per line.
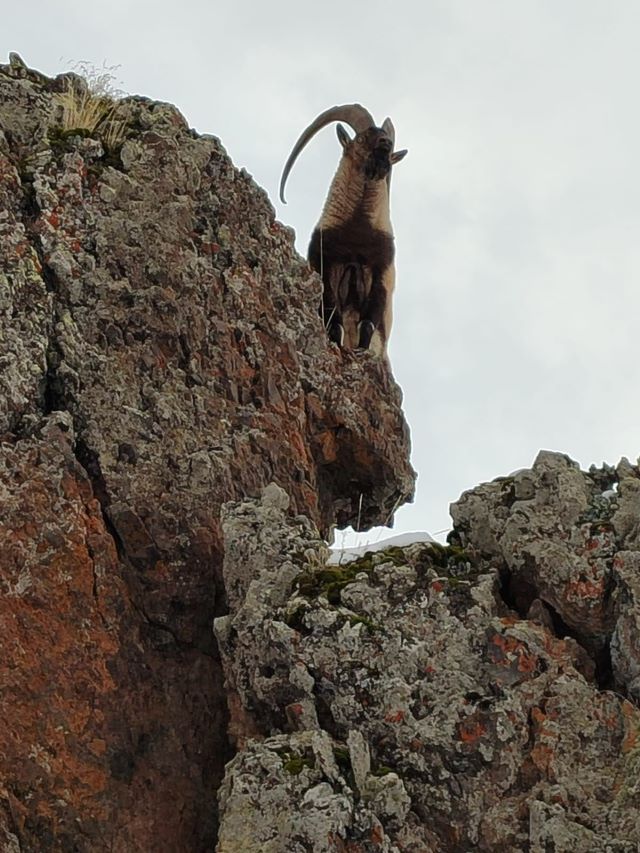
(354,115)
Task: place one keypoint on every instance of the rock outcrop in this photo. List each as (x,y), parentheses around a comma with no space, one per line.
(161,354)
(478,696)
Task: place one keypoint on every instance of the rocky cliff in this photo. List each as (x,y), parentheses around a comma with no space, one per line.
(161,355)
(177,439)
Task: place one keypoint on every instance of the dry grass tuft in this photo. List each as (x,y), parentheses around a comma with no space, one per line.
(96,109)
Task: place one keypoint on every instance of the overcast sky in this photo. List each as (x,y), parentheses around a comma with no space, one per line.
(516,212)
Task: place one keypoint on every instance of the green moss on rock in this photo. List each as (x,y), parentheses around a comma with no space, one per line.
(369,624)
(60,140)
(381,770)
(294,763)
(329,581)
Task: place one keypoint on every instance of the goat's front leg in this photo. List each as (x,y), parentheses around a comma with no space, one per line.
(373,312)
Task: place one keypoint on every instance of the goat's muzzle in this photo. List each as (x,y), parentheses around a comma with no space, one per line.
(378,163)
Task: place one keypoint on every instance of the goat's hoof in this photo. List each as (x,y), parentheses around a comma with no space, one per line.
(365,333)
(336,333)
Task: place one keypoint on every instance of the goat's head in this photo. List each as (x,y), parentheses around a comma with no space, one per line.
(370,151)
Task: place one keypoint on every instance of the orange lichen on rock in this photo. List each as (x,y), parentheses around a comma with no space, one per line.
(60,614)
(471,729)
(508,651)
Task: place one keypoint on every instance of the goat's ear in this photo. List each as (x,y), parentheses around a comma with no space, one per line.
(398,155)
(343,136)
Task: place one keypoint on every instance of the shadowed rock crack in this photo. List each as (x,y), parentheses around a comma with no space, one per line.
(521,596)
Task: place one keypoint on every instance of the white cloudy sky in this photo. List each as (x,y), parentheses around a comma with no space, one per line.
(517,211)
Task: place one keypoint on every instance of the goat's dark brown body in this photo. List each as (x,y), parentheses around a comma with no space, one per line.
(353,260)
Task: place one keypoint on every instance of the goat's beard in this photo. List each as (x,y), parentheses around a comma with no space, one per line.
(377,165)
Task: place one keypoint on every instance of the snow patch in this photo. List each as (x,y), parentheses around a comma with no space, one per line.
(402,540)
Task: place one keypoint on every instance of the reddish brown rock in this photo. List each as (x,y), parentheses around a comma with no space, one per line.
(86,735)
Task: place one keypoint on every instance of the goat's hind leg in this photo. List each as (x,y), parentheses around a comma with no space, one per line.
(331,314)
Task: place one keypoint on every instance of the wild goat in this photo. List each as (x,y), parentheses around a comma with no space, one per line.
(352,245)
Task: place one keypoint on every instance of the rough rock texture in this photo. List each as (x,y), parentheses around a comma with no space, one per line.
(332,790)
(475,678)
(162,354)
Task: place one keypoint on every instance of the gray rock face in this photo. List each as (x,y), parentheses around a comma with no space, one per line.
(472,676)
(567,541)
(334,792)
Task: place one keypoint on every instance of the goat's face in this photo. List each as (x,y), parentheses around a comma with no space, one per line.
(370,152)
